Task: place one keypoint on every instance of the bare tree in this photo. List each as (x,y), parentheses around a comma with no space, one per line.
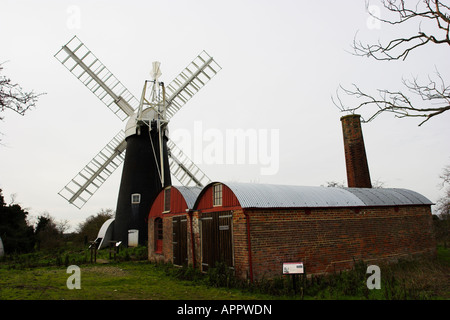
(442,223)
(443,203)
(62,226)
(335,184)
(376,184)
(13,97)
(422,99)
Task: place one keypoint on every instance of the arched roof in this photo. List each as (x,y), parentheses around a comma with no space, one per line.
(189,194)
(254,195)
(389,196)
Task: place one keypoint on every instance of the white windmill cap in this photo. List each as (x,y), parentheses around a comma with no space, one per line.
(131,126)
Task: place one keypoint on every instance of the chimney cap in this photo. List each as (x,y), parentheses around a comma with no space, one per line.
(351,116)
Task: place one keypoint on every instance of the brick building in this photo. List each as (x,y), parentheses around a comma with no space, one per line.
(256,227)
(168,225)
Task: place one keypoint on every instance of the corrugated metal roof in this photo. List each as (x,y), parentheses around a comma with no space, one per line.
(282,196)
(190,194)
(388,196)
(252,195)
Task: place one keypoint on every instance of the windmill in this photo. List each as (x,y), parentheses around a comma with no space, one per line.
(150,159)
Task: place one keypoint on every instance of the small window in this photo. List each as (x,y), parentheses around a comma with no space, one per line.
(217,195)
(167,200)
(135,198)
(158,235)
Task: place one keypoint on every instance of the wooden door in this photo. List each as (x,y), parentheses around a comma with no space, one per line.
(179,240)
(216,239)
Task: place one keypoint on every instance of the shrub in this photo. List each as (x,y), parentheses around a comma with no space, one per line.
(221,275)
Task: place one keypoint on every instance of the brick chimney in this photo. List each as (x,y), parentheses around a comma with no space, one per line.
(358,175)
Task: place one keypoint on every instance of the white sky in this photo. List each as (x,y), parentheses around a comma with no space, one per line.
(281,62)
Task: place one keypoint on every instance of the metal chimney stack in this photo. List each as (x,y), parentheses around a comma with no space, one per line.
(358,175)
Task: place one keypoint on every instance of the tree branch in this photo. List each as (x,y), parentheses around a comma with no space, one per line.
(400,48)
(434,97)
(437,98)
(14,98)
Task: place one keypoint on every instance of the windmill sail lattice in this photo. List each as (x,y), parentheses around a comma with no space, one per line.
(202,69)
(84,65)
(91,177)
(183,169)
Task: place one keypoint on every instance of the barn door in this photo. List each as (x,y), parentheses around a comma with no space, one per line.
(216,239)
(225,252)
(179,227)
(208,240)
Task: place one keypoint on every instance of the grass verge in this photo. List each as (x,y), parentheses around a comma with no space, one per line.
(131,277)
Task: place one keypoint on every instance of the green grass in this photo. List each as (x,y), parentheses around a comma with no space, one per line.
(443,255)
(43,276)
(124,281)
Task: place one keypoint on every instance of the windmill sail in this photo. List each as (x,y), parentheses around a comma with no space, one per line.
(87,68)
(183,169)
(84,65)
(91,177)
(202,69)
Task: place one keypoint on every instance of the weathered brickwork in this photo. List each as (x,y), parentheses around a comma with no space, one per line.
(195,236)
(326,240)
(241,245)
(167,253)
(358,175)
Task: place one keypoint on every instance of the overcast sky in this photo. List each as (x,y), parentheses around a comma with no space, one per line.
(281,62)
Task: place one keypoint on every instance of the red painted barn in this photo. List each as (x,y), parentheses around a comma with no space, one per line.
(255,228)
(170,225)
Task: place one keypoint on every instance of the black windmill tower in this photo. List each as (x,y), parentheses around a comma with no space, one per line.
(150,159)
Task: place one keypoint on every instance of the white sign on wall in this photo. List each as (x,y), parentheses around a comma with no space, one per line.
(293,268)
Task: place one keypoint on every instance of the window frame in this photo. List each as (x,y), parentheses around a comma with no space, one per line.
(217,195)
(158,235)
(133,195)
(166,202)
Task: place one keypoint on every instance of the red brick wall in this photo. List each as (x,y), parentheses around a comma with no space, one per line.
(167,252)
(329,239)
(240,245)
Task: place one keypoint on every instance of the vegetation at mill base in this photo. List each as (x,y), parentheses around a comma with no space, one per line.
(130,276)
